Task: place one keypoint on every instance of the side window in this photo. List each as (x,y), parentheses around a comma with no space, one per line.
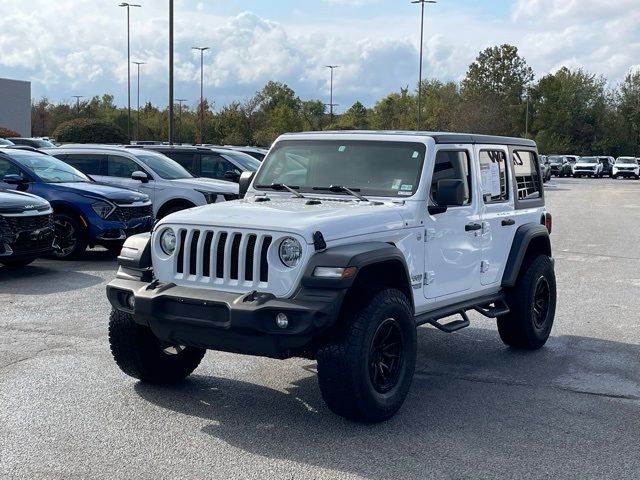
(525,170)
(493,172)
(186,159)
(215,166)
(121,167)
(8,168)
(452,165)
(86,163)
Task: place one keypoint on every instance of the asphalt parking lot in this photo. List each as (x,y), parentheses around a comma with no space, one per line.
(476,408)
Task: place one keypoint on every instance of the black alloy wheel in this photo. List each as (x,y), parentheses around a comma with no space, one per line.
(541,301)
(386,356)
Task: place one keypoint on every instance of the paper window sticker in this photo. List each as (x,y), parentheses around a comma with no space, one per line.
(396,184)
(406,187)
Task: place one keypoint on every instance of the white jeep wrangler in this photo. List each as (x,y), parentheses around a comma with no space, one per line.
(344,244)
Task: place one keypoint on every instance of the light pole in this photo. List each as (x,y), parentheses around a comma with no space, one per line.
(138,109)
(332,68)
(202,50)
(128,5)
(526,118)
(78,97)
(180,100)
(421,2)
(170,72)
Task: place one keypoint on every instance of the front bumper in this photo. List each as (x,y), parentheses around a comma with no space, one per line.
(106,232)
(226,321)
(625,173)
(585,171)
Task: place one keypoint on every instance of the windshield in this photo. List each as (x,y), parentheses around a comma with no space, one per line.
(164,166)
(627,160)
(388,169)
(51,170)
(589,160)
(555,159)
(247,162)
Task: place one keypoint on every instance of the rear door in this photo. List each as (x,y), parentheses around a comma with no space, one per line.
(453,244)
(497,210)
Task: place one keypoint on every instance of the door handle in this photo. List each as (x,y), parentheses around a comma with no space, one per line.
(508,222)
(472,227)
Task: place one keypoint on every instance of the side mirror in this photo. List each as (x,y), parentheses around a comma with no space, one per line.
(13,179)
(231,175)
(245,180)
(450,193)
(140,176)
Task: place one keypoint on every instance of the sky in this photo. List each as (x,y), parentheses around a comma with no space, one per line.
(78,47)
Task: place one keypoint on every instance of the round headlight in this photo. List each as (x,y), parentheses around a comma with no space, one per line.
(168,241)
(290,252)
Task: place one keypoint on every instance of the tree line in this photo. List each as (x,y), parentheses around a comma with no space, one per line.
(570,111)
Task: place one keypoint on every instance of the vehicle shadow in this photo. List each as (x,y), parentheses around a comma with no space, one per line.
(475,409)
(45,278)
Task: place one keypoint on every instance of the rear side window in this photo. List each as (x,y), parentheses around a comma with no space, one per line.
(493,172)
(186,159)
(86,163)
(525,170)
(452,165)
(121,167)
(8,168)
(215,166)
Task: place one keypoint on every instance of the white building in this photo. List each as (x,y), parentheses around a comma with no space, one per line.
(15,106)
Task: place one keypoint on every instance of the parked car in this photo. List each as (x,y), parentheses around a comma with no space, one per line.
(85,213)
(383,232)
(208,162)
(32,142)
(26,228)
(4,142)
(545,168)
(256,152)
(607,166)
(626,167)
(169,185)
(587,166)
(562,165)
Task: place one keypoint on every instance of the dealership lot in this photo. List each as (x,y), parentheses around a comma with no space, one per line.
(476,409)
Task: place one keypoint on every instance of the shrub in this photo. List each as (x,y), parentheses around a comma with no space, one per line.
(5,132)
(86,130)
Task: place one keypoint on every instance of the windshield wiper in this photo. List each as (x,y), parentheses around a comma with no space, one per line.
(340,188)
(282,186)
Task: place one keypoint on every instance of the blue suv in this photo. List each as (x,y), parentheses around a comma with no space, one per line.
(85,213)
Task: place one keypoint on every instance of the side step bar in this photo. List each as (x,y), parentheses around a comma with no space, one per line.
(481,305)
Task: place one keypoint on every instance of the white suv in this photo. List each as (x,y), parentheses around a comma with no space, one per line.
(344,243)
(626,167)
(169,185)
(587,166)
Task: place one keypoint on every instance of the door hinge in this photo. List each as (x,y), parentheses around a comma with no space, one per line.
(429,278)
(484,266)
(429,234)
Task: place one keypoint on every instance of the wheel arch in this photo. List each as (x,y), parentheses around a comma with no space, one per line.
(174,202)
(530,240)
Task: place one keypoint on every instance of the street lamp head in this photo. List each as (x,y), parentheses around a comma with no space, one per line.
(332,66)
(424,1)
(139,63)
(202,49)
(124,4)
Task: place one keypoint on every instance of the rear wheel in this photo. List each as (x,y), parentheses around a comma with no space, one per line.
(140,354)
(365,372)
(71,237)
(533,305)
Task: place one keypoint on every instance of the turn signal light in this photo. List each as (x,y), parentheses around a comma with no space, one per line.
(547,221)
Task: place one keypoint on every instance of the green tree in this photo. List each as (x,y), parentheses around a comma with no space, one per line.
(83,130)
(629,107)
(356,118)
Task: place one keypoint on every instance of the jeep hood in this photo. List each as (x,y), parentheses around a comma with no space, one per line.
(335,219)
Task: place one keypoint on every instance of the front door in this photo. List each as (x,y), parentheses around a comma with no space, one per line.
(453,237)
(118,172)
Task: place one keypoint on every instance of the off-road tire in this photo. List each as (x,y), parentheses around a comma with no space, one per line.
(346,363)
(17,263)
(522,328)
(140,354)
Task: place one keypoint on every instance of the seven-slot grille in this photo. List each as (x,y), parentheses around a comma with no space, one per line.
(223,257)
(125,213)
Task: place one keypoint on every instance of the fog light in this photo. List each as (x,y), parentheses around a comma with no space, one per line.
(131,302)
(282,321)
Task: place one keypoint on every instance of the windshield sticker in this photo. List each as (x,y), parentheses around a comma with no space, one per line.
(416,154)
(396,184)
(342,148)
(406,187)
(405,193)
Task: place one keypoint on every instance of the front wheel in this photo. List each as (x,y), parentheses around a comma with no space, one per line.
(71,237)
(365,372)
(533,306)
(140,354)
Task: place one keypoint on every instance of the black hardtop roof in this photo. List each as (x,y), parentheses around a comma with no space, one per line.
(438,137)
